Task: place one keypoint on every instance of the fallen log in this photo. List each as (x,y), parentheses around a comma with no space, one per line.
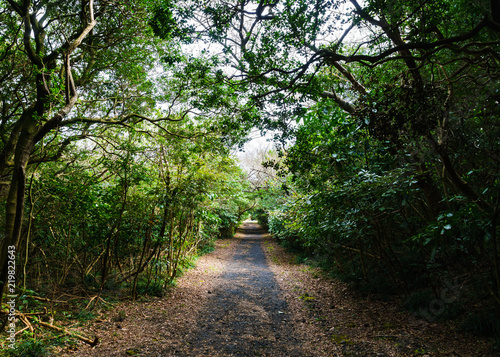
(45,299)
(21,331)
(24,319)
(88,341)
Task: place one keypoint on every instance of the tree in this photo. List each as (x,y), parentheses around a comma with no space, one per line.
(27,121)
(292,51)
(418,78)
(69,70)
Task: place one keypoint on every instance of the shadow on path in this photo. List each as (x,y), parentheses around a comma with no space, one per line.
(245,315)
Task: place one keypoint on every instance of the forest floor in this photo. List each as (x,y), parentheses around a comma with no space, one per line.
(249,297)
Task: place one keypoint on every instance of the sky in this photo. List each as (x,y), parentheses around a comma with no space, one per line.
(256,143)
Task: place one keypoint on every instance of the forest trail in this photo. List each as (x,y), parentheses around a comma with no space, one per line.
(229,305)
(250,298)
(246,315)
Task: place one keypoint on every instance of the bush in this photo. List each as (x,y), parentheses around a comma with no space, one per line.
(483,324)
(262,217)
(30,348)
(418,300)
(229,221)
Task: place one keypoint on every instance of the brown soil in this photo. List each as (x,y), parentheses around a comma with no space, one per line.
(250,298)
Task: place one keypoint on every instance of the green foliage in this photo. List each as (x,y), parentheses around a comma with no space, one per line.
(206,248)
(419,300)
(399,114)
(483,324)
(229,221)
(387,170)
(147,288)
(262,216)
(31,347)
(163,23)
(149,204)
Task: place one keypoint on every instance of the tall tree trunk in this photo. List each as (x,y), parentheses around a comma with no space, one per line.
(31,128)
(15,200)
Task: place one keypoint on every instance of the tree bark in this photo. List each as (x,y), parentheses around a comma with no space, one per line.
(15,200)
(31,129)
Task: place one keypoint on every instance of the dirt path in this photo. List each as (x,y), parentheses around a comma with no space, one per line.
(246,314)
(250,298)
(229,305)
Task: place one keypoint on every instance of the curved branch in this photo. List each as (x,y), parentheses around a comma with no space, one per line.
(348,75)
(341,102)
(120,120)
(59,152)
(409,46)
(71,94)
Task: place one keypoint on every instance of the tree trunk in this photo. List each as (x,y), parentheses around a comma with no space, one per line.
(455,178)
(15,200)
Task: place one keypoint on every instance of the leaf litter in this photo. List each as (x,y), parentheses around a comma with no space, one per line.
(250,298)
